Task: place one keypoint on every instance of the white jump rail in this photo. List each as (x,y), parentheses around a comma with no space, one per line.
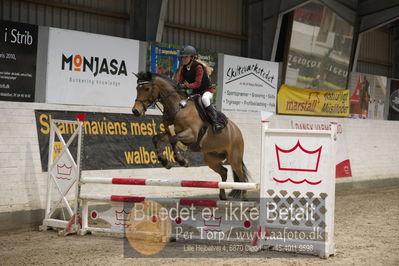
(117,200)
(111,214)
(182,202)
(170,183)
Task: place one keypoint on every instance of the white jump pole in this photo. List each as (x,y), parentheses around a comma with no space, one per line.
(171,183)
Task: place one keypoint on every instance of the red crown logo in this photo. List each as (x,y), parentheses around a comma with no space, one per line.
(210,220)
(121,215)
(64,169)
(293,159)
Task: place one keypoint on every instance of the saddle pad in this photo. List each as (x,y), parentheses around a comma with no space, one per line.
(221,117)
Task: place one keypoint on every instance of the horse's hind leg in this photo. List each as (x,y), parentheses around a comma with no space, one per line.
(164,137)
(236,193)
(214,161)
(240,174)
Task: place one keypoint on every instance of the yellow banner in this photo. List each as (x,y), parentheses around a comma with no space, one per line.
(312,102)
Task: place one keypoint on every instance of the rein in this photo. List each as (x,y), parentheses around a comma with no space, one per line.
(161,99)
(156,101)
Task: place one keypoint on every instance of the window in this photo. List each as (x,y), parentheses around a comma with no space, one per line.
(319,50)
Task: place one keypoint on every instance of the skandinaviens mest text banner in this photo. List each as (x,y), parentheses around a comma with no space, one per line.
(293,100)
(111,140)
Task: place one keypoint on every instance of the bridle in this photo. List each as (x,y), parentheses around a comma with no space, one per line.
(151,100)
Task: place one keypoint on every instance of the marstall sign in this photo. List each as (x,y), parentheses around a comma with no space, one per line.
(249,85)
(312,102)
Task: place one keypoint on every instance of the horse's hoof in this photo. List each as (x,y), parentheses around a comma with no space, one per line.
(222,195)
(165,163)
(168,165)
(184,163)
(235,194)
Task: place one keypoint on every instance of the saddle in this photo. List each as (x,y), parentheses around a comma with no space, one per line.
(222,118)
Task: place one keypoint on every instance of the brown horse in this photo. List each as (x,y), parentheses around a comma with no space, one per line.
(216,147)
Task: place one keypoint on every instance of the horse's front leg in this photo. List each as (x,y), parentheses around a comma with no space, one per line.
(163,137)
(186,136)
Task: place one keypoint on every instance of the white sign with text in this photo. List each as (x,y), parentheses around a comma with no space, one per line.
(91,69)
(249,85)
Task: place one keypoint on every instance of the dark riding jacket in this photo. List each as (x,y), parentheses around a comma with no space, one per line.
(197,78)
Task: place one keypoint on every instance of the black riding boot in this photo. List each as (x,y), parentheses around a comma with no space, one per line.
(211,112)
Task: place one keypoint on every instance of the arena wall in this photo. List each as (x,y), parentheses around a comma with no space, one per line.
(371,145)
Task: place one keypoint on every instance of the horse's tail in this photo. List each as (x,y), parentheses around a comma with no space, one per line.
(236,193)
(245,172)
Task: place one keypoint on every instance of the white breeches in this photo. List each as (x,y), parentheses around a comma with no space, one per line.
(206,98)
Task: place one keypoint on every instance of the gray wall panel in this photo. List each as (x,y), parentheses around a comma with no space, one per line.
(374,69)
(212,15)
(375,55)
(60,17)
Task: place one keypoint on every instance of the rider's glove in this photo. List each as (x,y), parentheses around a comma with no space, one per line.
(181,87)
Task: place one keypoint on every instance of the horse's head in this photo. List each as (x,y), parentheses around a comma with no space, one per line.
(147,93)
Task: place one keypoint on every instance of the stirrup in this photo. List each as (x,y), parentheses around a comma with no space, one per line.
(183,103)
(217,128)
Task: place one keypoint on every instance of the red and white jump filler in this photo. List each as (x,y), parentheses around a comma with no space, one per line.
(296,193)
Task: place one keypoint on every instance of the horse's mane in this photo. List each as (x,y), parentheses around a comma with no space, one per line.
(148,76)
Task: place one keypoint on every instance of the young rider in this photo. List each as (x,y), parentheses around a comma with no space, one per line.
(192,75)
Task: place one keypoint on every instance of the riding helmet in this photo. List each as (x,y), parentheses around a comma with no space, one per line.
(187,50)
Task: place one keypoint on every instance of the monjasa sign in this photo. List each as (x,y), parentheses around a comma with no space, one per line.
(95,65)
(82,69)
